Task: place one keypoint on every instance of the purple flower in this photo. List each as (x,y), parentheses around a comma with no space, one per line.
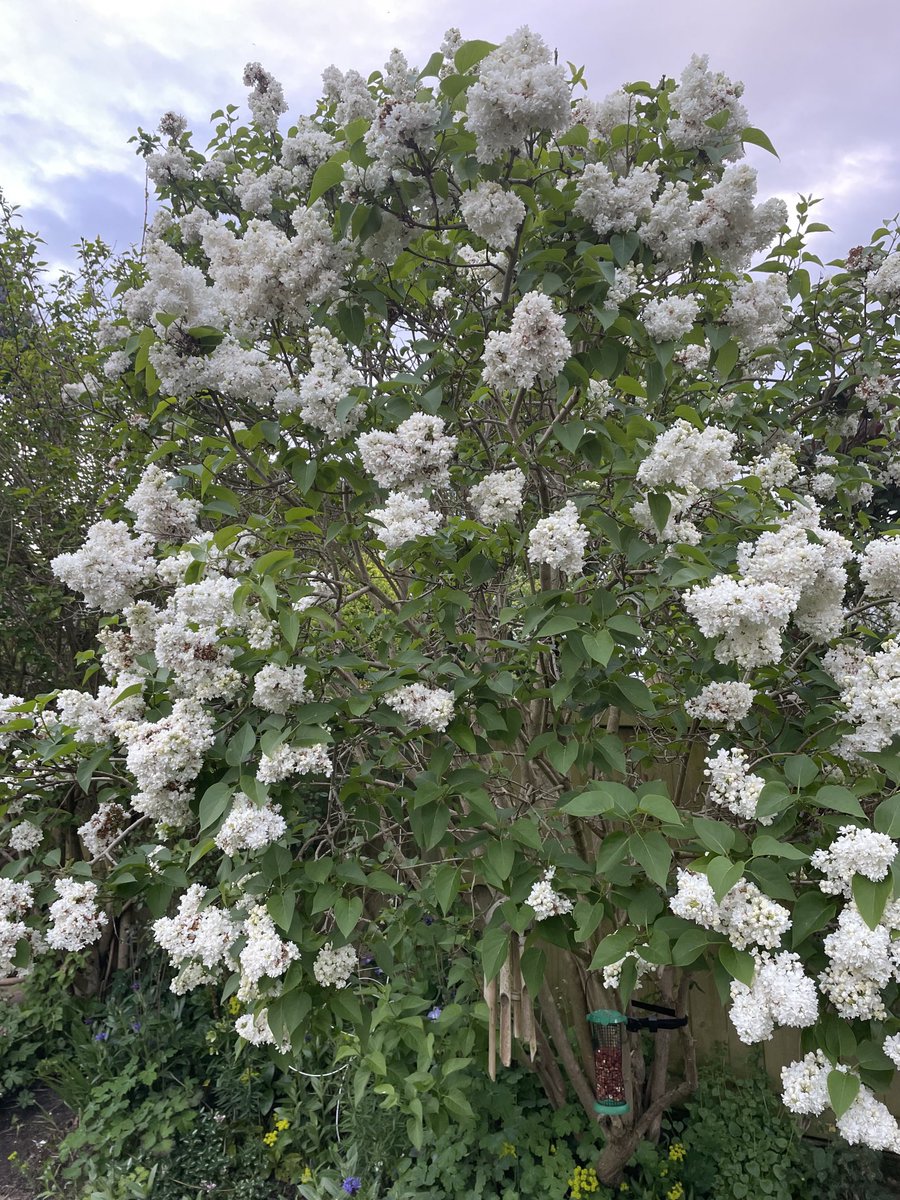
(136,1026)
(433,1013)
(136,985)
(352,1184)
(428,919)
(101,1036)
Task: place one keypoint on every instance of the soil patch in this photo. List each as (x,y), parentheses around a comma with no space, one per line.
(28,1140)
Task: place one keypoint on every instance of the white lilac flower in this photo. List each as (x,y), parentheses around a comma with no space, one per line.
(559,541)
(612,973)
(879,568)
(685,456)
(721,703)
(266,100)
(319,394)
(670,318)
(94,718)
(498,498)
(285,761)
(264,953)
(416,456)
(276,689)
(731,785)
(855,851)
(76,921)
(250,826)
(334,967)
(404,518)
(25,837)
(701,95)
(197,939)
(884,284)
(493,213)
(615,205)
(746,915)
(159,510)
(805,1084)
(101,830)
(535,348)
(165,756)
(545,901)
(780,994)
(109,568)
(7,704)
(759,310)
(422,706)
(519,90)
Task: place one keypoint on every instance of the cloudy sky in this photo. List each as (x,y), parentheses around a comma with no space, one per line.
(821,79)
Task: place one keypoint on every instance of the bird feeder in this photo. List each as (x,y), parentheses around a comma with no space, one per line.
(607,1036)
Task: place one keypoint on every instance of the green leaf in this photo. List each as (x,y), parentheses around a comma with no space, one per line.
(738,963)
(493,950)
(347,912)
(533,962)
(800,770)
(563,754)
(886,817)
(660,508)
(461,732)
(614,947)
(691,945)
(723,874)
(599,646)
(767,846)
(812,912)
(871,897)
(471,53)
(838,799)
(214,802)
(241,745)
(715,835)
(447,883)
(756,137)
(654,854)
(328,175)
(500,856)
(660,807)
(843,1088)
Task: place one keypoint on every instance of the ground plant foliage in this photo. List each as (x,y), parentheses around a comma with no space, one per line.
(497,593)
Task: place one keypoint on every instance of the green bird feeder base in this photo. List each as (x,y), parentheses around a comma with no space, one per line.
(607,1030)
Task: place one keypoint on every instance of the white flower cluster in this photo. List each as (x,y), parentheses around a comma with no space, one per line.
(401,124)
(285,761)
(265,275)
(321,394)
(545,901)
(109,567)
(884,284)
(612,974)
(101,830)
(350,93)
(879,568)
(781,994)
(536,346)
(231,370)
(423,707)
(855,851)
(25,837)
(94,718)
(416,456)
(746,915)
(15,900)
(7,704)
(670,318)
(519,90)
(277,689)
(334,967)
(250,826)
(891,1048)
(870,692)
(164,757)
(264,953)
(700,96)
(174,288)
(603,116)
(158,509)
(867,1122)
(686,457)
(255,1028)
(724,703)
(786,575)
(861,962)
(198,940)
(76,920)
(266,101)
(498,497)
(559,541)
(199,664)
(403,518)
(732,786)
(492,213)
(615,205)
(758,312)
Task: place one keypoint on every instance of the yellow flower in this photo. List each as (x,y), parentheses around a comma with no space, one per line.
(234,1006)
(675,1193)
(623,1187)
(307,1176)
(507,1150)
(676,1152)
(583,1181)
(663,1171)
(270,1138)
(282,1125)
(553,1147)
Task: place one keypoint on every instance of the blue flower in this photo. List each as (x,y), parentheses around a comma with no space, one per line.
(428,919)
(433,1013)
(136,1026)
(101,1036)
(352,1184)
